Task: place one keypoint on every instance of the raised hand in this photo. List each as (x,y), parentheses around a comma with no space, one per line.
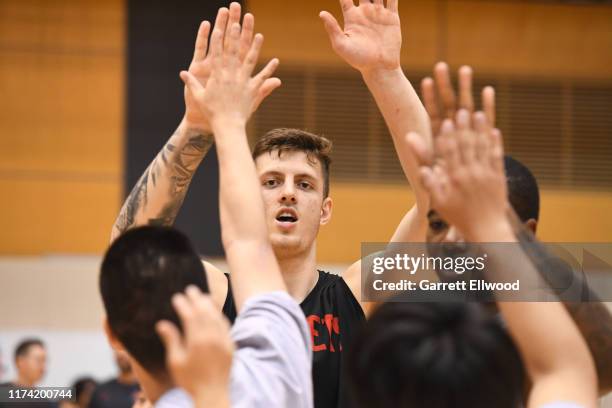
(371,38)
(201,65)
(440,86)
(467,184)
(199,360)
(231,92)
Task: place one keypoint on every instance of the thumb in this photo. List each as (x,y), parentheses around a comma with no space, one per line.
(429,182)
(268,86)
(331,26)
(419,148)
(171,338)
(191,82)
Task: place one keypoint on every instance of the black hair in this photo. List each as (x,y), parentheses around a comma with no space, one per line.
(24,346)
(140,273)
(523,191)
(434,355)
(80,385)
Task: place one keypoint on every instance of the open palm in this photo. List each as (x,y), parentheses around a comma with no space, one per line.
(201,66)
(371,37)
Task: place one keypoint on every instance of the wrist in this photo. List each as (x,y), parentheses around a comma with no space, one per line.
(224,123)
(381,74)
(191,128)
(212,397)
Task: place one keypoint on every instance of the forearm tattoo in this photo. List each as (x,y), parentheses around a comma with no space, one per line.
(175,165)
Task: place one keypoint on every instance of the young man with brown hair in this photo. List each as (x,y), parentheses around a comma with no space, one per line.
(293,169)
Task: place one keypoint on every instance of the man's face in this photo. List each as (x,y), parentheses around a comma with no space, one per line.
(292,190)
(32,365)
(439,232)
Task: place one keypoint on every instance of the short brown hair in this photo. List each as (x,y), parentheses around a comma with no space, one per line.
(285,139)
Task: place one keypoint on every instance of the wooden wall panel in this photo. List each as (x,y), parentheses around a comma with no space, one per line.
(57,216)
(61,123)
(507,37)
(530,38)
(75,26)
(294,32)
(64,112)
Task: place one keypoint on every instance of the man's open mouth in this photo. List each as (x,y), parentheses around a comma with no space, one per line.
(286,215)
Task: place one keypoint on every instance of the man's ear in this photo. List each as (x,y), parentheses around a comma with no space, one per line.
(112,339)
(326,211)
(532,225)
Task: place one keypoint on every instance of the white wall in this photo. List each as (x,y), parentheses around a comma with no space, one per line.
(70,354)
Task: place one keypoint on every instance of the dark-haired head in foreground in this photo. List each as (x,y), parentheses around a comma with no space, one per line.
(434,355)
(140,273)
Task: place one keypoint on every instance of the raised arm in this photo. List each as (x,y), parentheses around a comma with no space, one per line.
(159,194)
(468,188)
(226,102)
(370,42)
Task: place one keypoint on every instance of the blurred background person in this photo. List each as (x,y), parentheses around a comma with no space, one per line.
(119,392)
(30,363)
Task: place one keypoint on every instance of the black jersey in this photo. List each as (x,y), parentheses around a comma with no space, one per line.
(334,316)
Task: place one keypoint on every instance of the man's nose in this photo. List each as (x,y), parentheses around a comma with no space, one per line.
(288,194)
(453,236)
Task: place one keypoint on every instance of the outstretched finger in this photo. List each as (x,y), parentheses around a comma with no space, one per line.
(216,46)
(496,147)
(465,137)
(233,45)
(482,137)
(184,309)
(392,5)
(466,100)
(171,338)
(331,26)
(234,18)
(268,86)
(246,35)
(220,24)
(446,145)
(462,119)
(488,104)
(253,55)
(431,183)
(266,72)
(201,44)
(430,101)
(445,89)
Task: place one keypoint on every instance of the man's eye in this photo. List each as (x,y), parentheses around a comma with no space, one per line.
(437,225)
(270,183)
(304,185)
